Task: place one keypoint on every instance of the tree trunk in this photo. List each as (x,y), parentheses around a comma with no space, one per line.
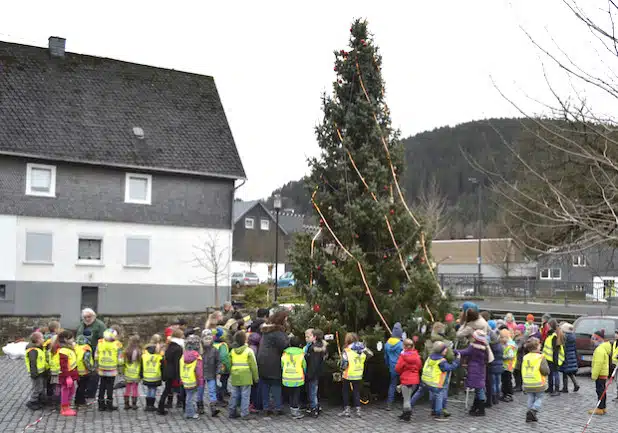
(217,304)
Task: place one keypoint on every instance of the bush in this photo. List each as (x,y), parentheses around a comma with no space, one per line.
(256,297)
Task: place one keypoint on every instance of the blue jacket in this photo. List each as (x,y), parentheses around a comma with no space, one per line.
(497,366)
(392,350)
(570,354)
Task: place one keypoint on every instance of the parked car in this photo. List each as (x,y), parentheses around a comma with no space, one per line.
(245,279)
(286,280)
(584,328)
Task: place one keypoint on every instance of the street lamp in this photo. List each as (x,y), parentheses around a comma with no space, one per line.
(277,206)
(479,189)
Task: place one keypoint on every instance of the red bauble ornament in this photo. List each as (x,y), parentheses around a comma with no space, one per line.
(334,262)
(356,236)
(449,318)
(422,260)
(386,256)
(340,81)
(364,42)
(351,29)
(335,69)
(319,268)
(415,338)
(321,222)
(316,308)
(390,291)
(392,211)
(385,187)
(342,52)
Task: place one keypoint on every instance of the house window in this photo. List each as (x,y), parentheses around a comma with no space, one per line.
(2,291)
(90,249)
(265,225)
(138,188)
(551,274)
(41,180)
(249,223)
(39,248)
(138,252)
(579,261)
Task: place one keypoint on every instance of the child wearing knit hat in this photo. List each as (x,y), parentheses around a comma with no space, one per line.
(478,355)
(392,350)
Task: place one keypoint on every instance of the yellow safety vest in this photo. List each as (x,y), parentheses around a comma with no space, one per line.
(151,366)
(432,375)
(80,351)
(356,365)
(293,374)
(41,360)
(53,359)
(131,370)
(240,361)
(548,350)
(107,355)
(69,353)
(531,371)
(509,364)
(187,373)
(222,369)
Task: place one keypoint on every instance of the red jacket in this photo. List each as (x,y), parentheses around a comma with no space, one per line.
(408,367)
(64,370)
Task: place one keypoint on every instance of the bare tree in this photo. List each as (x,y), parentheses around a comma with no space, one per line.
(214,258)
(432,207)
(561,190)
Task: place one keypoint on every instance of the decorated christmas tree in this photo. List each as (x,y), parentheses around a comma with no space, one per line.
(371,262)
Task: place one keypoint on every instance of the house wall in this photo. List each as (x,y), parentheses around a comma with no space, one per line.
(171,283)
(488,270)
(97,193)
(257,245)
(601,261)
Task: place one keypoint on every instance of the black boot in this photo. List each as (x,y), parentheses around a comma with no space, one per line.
(200,408)
(102,406)
(529,416)
(109,405)
(214,411)
(475,407)
(127,404)
(494,399)
(170,401)
(162,405)
(407,414)
(134,400)
(534,415)
(481,411)
(150,404)
(575,384)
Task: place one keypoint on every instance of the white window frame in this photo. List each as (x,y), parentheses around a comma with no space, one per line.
(549,274)
(38,262)
(127,189)
(264,225)
(579,261)
(88,262)
(126,240)
(52,180)
(250,226)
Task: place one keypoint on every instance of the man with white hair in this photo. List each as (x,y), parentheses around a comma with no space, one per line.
(92,328)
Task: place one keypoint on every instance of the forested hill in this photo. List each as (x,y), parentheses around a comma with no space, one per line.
(437,155)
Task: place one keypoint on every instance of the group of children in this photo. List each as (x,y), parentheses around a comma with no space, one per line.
(189,366)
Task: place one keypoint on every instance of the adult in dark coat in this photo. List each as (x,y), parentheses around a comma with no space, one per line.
(274,342)
(93,329)
(569,367)
(171,367)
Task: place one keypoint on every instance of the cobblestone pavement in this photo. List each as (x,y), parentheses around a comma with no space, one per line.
(564,414)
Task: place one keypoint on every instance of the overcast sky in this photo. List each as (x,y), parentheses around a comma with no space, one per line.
(272,59)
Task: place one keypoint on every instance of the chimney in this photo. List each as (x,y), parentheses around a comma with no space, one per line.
(56,46)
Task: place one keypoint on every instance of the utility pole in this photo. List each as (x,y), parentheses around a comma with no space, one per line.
(479,216)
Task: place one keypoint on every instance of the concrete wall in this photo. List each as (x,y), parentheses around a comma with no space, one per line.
(488,271)
(64,299)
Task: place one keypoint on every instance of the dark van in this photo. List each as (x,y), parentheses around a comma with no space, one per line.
(584,328)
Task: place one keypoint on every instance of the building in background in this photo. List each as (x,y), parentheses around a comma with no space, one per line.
(114,179)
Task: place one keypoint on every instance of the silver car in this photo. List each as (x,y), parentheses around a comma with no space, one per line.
(246,279)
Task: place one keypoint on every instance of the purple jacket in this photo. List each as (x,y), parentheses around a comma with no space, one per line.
(477,361)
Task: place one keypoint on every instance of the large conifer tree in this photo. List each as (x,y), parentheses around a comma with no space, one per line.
(352,137)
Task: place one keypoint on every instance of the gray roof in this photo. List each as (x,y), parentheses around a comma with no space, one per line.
(84,109)
(292,222)
(240,208)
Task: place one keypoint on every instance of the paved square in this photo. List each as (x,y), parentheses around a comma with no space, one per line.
(564,414)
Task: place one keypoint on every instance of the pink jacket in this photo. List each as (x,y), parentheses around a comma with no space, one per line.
(189,357)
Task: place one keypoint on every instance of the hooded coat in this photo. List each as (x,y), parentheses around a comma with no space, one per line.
(468,328)
(497,365)
(190,356)
(409,367)
(171,365)
(392,350)
(315,355)
(274,342)
(570,354)
(477,355)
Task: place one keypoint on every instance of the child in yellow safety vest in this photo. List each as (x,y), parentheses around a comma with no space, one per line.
(85,367)
(152,366)
(68,376)
(224,355)
(553,350)
(509,357)
(534,372)
(132,372)
(601,369)
(243,373)
(109,360)
(353,365)
(433,377)
(294,367)
(191,374)
(36,364)
(53,363)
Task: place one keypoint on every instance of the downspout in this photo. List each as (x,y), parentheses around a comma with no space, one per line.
(232,239)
